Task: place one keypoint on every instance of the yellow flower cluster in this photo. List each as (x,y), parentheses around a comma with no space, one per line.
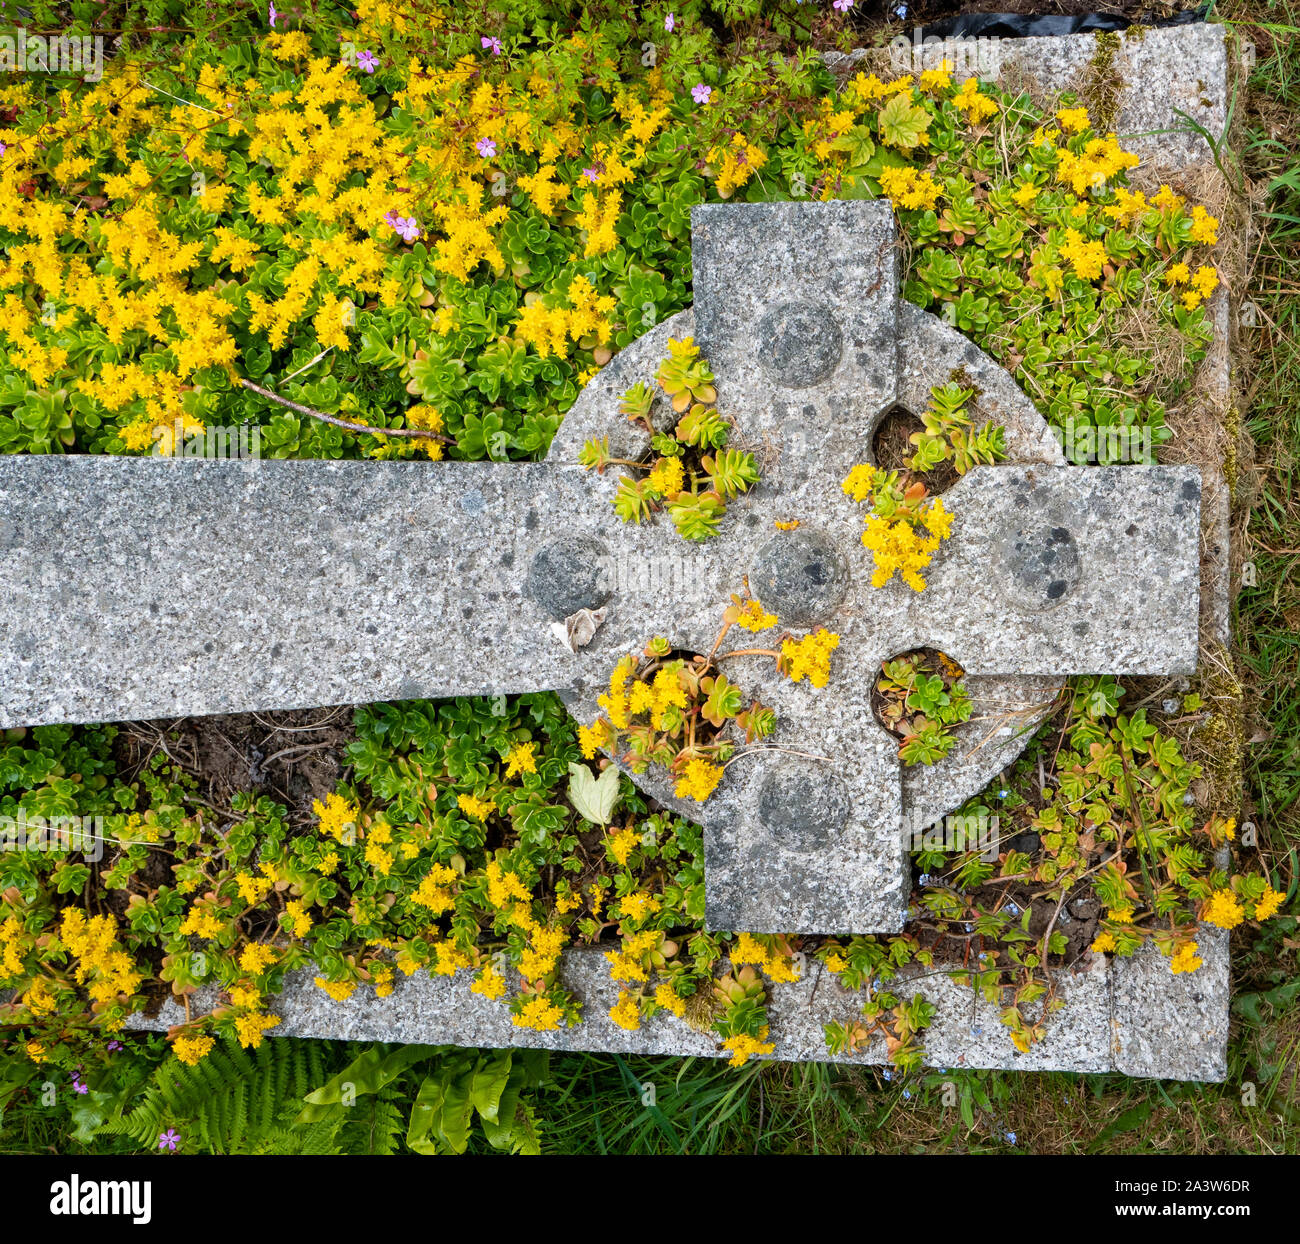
(538,1013)
(896,541)
(629,962)
(698,779)
(909,189)
(744,1047)
(1269,904)
(337,817)
(977,108)
(626,1012)
(1101,160)
(1086,258)
(549,330)
(1185,959)
(898,545)
(657,698)
(522,759)
(542,956)
(735,163)
(621,845)
(753,617)
(667,477)
(191,1049)
(867,89)
(489,984)
(638,905)
(593,737)
(103,966)
(434,892)
(768,958)
(1223,909)
(472,805)
(505,887)
(255,958)
(299,921)
(1202,283)
(809,657)
(249,1029)
(340,991)
(11,947)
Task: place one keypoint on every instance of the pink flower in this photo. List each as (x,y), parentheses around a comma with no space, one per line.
(492,43)
(169,1140)
(843,5)
(591,174)
(486,147)
(669,22)
(367,60)
(701,93)
(272,14)
(405,226)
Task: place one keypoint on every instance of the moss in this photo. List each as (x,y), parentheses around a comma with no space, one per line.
(1101,85)
(1218,743)
(1232,440)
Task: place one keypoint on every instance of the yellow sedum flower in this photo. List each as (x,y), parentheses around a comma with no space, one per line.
(698,780)
(472,805)
(337,817)
(1269,904)
(809,657)
(538,1013)
(753,617)
(743,1047)
(192,1049)
(340,991)
(489,984)
(522,759)
(1185,959)
(666,997)
(626,1012)
(1223,909)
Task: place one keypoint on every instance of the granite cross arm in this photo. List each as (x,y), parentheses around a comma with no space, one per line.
(168,587)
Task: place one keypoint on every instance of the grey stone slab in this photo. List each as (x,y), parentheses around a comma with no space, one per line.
(1173,1027)
(1079,570)
(1117,1015)
(1153,75)
(150,587)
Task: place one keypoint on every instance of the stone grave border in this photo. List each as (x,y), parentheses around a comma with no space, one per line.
(1131,1016)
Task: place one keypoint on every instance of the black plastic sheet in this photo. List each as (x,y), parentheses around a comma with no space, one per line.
(1022,25)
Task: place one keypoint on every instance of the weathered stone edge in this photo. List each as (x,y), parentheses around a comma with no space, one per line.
(1132,1016)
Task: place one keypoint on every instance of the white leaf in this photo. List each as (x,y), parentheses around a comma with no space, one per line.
(594,797)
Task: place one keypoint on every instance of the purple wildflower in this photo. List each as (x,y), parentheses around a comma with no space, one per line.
(591,174)
(669,22)
(491,43)
(701,93)
(407,228)
(272,14)
(486,147)
(169,1140)
(843,5)
(367,60)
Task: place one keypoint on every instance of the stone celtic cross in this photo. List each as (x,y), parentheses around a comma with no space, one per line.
(152,587)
